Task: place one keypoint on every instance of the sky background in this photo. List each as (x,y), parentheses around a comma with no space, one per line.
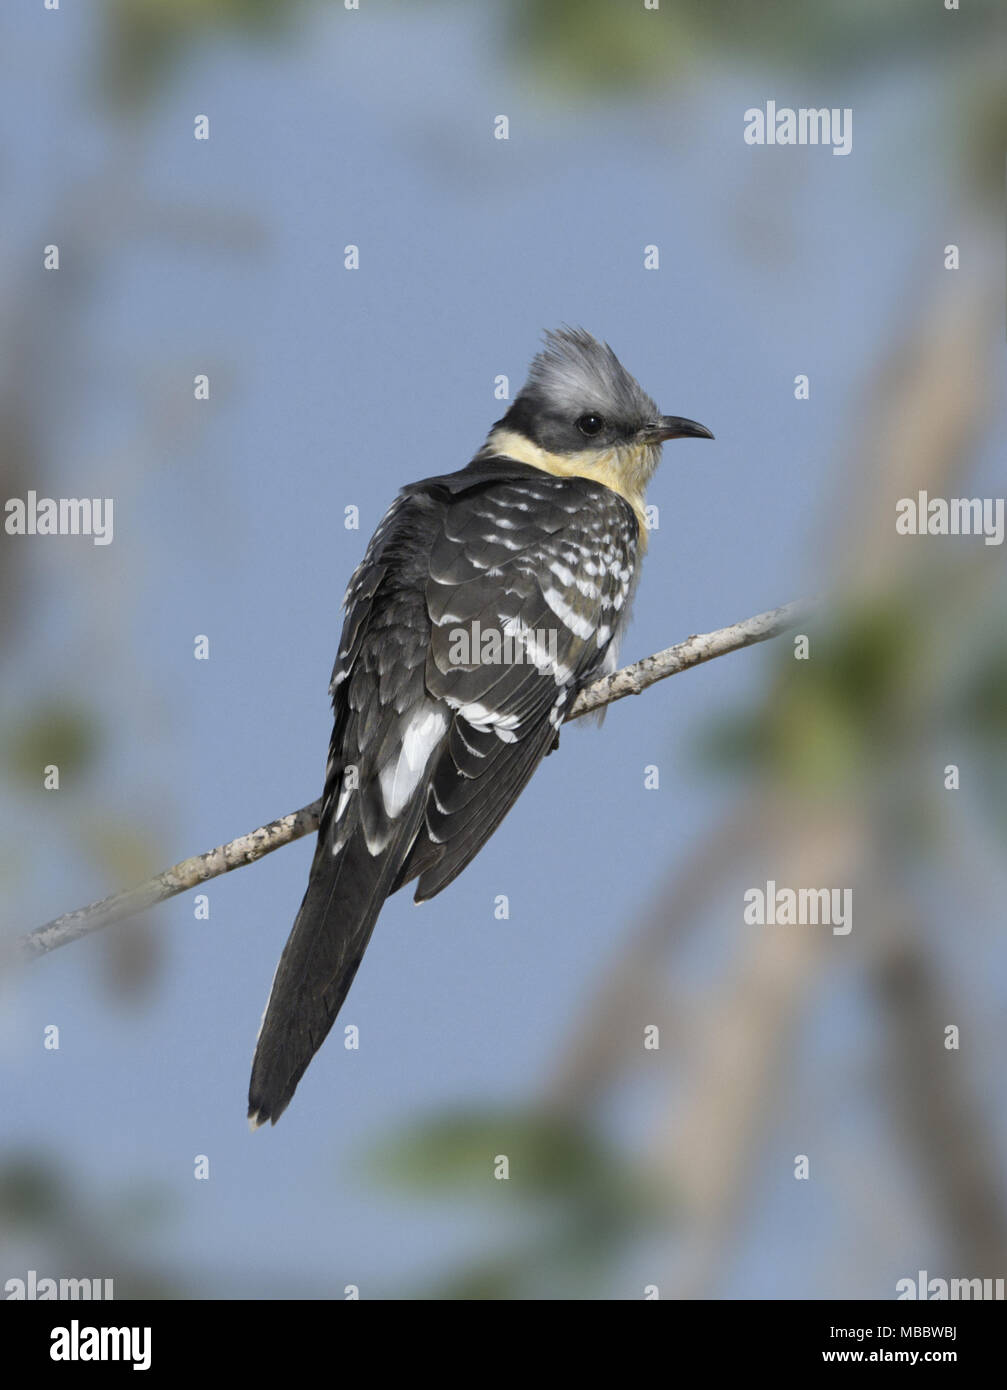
(331,388)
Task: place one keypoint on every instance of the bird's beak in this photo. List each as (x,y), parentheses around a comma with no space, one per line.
(674,427)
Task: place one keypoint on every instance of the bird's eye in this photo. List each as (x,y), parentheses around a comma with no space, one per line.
(590,424)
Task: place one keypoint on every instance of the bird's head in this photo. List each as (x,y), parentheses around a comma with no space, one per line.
(580,412)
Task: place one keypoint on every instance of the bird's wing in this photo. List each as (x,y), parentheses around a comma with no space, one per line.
(528,584)
(377,692)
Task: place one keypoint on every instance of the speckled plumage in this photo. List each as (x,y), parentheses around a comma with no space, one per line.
(432,742)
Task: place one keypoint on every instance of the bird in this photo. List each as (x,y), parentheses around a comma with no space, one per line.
(487,599)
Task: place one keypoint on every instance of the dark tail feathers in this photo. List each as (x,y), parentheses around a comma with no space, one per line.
(326,945)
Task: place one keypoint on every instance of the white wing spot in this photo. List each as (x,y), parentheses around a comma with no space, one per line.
(400,777)
(578,625)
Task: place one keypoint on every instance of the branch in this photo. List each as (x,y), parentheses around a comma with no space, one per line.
(631,680)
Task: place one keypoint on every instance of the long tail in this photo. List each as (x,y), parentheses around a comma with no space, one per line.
(325,947)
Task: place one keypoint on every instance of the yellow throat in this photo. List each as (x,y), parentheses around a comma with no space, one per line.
(625,468)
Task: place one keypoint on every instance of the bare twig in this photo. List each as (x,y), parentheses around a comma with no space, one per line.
(704,646)
(246,849)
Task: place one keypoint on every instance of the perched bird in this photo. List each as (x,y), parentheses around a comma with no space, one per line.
(486,600)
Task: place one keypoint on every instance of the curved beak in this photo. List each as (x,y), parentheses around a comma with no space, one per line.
(674,427)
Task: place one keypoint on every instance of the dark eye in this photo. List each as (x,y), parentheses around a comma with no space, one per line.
(591,424)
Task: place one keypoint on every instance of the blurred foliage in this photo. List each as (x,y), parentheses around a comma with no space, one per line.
(832,34)
(127,851)
(825,717)
(449,1153)
(67,734)
(573,1203)
(599,48)
(921,666)
(53,731)
(581,46)
(981,117)
(985,696)
(80,1230)
(982,705)
(130,958)
(147,38)
(129,953)
(29,1191)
